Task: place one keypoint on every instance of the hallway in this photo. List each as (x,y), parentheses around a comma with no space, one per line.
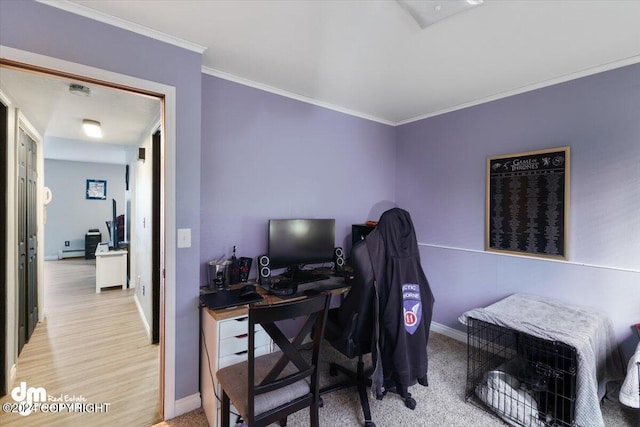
(91,349)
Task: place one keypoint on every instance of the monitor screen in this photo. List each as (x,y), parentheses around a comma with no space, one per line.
(113,227)
(301,241)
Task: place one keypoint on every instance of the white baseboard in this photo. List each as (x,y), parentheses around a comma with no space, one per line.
(70,253)
(187,404)
(449,332)
(147,328)
(51,257)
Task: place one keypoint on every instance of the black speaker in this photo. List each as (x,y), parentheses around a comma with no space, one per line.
(142,154)
(338,260)
(264,270)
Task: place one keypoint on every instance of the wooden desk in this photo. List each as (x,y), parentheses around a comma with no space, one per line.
(111,269)
(224,342)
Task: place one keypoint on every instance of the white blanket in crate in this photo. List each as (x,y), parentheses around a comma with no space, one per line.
(586,329)
(630,390)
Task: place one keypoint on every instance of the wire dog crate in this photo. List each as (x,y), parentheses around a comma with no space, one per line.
(527,381)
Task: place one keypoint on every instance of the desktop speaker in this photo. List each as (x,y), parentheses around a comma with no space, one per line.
(264,270)
(338,259)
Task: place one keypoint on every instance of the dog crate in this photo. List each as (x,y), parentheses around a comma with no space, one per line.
(527,381)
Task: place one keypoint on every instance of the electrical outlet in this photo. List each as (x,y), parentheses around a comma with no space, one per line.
(66,243)
(143,290)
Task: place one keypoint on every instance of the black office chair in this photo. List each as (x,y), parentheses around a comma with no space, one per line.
(268,388)
(349,330)
(387,313)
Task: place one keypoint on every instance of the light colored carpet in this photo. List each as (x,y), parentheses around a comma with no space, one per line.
(440,404)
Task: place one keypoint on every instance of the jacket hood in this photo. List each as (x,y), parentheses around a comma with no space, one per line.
(397,230)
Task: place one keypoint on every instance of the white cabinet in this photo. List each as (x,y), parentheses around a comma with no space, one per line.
(224,341)
(111,269)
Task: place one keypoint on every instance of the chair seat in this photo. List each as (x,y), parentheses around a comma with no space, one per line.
(343,339)
(233,379)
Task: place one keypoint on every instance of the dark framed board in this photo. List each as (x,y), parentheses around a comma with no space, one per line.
(96,189)
(527,203)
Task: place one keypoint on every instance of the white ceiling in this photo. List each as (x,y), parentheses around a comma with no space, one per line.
(367,58)
(372,59)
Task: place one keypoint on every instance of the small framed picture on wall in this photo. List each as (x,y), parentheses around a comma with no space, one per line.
(96,189)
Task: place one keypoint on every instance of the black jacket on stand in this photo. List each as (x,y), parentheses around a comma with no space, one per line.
(404,306)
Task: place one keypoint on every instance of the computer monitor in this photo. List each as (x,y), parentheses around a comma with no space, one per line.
(293,242)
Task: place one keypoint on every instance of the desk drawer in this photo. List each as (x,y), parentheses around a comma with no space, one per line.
(237,358)
(239,344)
(235,327)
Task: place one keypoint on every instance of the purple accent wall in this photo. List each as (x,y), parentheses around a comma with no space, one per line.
(441,166)
(45,30)
(266,156)
(244,155)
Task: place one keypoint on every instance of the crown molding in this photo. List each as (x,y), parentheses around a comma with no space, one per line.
(78,9)
(292,95)
(158,35)
(567,77)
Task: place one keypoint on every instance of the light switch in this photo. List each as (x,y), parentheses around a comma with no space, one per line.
(184,237)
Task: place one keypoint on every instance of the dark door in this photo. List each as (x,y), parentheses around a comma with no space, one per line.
(155,237)
(4,128)
(32,236)
(27,239)
(22,241)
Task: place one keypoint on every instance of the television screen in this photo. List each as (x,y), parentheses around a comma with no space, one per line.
(301,241)
(115,231)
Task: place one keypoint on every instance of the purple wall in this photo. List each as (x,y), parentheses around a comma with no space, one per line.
(266,156)
(45,30)
(441,165)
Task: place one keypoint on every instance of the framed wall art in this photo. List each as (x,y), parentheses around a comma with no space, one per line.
(527,203)
(96,189)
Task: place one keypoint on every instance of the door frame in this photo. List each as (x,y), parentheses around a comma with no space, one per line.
(36,63)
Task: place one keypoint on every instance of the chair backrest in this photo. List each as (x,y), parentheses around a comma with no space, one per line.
(355,314)
(291,367)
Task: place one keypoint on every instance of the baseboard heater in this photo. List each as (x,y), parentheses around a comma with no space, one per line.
(70,253)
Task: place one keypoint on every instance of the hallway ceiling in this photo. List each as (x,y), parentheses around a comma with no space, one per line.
(54,108)
(371,58)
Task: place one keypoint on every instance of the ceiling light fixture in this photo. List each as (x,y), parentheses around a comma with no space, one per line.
(427,12)
(78,89)
(92,128)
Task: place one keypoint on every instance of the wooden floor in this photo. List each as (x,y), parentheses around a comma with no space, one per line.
(92,347)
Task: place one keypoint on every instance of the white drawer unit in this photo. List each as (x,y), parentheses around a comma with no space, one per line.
(224,342)
(111,269)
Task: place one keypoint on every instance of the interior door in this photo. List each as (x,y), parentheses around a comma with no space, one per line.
(22,240)
(32,235)
(4,140)
(27,238)
(155,237)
